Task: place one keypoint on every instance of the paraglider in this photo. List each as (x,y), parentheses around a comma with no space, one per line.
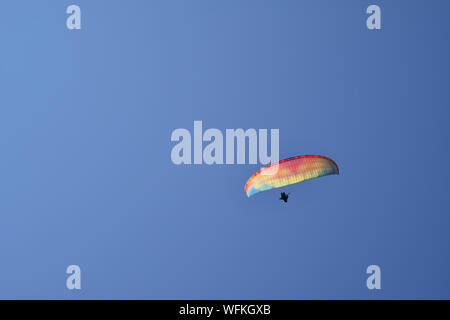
(290,171)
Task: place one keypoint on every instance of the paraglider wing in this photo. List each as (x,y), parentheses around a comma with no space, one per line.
(290,171)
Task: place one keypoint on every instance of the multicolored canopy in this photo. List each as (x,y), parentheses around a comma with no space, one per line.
(290,171)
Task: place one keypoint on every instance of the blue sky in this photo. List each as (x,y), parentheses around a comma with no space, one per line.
(86,175)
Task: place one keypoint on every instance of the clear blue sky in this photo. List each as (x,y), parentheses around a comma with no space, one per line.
(85,170)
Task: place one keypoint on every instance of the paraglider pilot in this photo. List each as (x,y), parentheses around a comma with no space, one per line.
(284,196)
